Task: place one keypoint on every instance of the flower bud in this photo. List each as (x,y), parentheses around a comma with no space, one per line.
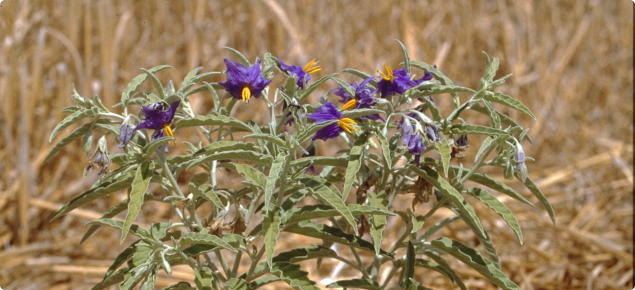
(125,131)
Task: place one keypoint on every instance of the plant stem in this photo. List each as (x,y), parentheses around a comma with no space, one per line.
(477,165)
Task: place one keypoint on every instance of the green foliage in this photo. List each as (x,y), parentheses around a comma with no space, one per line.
(286,190)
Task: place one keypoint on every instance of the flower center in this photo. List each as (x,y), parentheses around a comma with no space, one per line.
(345,123)
(309,68)
(389,76)
(168,131)
(349,105)
(246,94)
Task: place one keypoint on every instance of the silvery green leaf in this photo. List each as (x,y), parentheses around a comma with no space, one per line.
(305,253)
(71,109)
(233,155)
(356,113)
(490,69)
(87,142)
(79,99)
(417,222)
(496,121)
(434,71)
(358,73)
(474,259)
(237,284)
(213,120)
(354,163)
(437,227)
(484,147)
(464,129)
(310,132)
(377,221)
(274,175)
(409,268)
(331,196)
(139,187)
(385,151)
(113,279)
(345,86)
(103,189)
(206,191)
(120,259)
(236,241)
(305,93)
(444,150)
(440,89)
(499,82)
(215,98)
(485,240)
(134,229)
(78,132)
(406,57)
(541,197)
(331,234)
(451,194)
(436,116)
(309,212)
(203,278)
(498,186)
(500,208)
(271,226)
(136,82)
(240,56)
(444,264)
(289,273)
(204,239)
(433,266)
(249,172)
(152,147)
(356,284)
(120,207)
(69,120)
(187,84)
(321,160)
(509,101)
(425,119)
(268,137)
(157,84)
(224,146)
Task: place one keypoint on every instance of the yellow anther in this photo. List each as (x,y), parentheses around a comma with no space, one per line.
(246,94)
(349,105)
(389,76)
(345,123)
(168,131)
(309,69)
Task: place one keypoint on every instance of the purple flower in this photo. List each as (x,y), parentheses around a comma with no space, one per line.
(158,119)
(398,81)
(289,115)
(364,98)
(411,138)
(328,112)
(125,132)
(301,73)
(244,82)
(432,132)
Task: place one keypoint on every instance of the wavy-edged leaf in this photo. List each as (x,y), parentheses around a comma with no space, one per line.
(103,189)
(500,208)
(474,259)
(206,191)
(485,240)
(309,212)
(134,229)
(268,137)
(436,227)
(315,85)
(385,151)
(321,160)
(541,197)
(305,253)
(233,155)
(203,278)
(290,274)
(510,102)
(69,120)
(136,82)
(353,114)
(120,259)
(330,234)
(356,284)
(451,194)
(224,146)
(152,147)
(310,132)
(271,226)
(444,150)
(354,163)
(274,175)
(484,147)
(409,268)
(236,241)
(250,173)
(240,56)
(433,266)
(139,187)
(204,239)
(406,57)
(464,129)
(237,284)
(157,84)
(322,188)
(113,279)
(496,185)
(78,132)
(358,73)
(345,86)
(213,120)
(436,116)
(438,75)
(441,89)
(378,222)
(444,264)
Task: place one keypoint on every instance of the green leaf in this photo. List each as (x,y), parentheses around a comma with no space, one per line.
(139,187)
(305,253)
(204,239)
(441,89)
(213,120)
(509,101)
(103,189)
(436,116)
(268,137)
(485,240)
(251,174)
(385,151)
(417,222)
(484,147)
(354,163)
(500,208)
(409,268)
(444,150)
(433,266)
(476,129)
(496,185)
(322,188)
(134,229)
(490,69)
(315,85)
(330,234)
(474,259)
(271,226)
(345,86)
(79,132)
(444,264)
(152,147)
(378,222)
(356,284)
(206,191)
(541,197)
(358,73)
(309,132)
(240,56)
(290,274)
(438,75)
(451,194)
(353,114)
(274,175)
(237,284)
(321,160)
(203,278)
(136,82)
(437,227)
(113,279)
(69,120)
(120,259)
(233,155)
(406,57)
(157,84)
(309,212)
(225,146)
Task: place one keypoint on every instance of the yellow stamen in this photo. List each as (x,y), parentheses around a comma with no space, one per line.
(389,75)
(349,105)
(344,123)
(168,131)
(309,69)
(246,94)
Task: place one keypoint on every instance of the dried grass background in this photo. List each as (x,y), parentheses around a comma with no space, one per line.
(572,63)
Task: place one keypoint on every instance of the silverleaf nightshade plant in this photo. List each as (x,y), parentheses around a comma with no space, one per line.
(227,232)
